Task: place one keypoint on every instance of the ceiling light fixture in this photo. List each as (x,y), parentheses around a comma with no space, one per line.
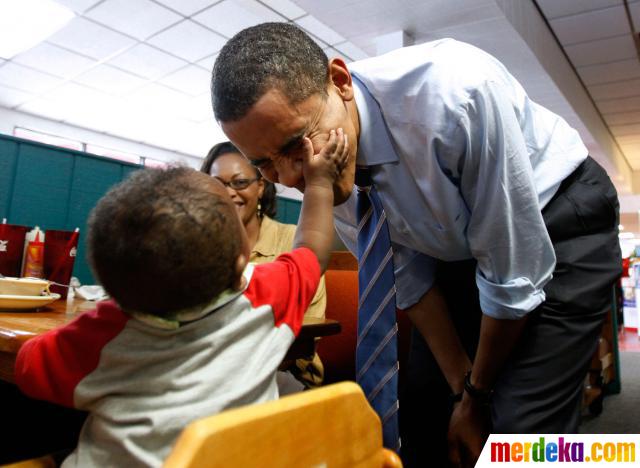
(26,23)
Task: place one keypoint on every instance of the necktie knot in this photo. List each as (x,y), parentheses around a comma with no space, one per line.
(363,177)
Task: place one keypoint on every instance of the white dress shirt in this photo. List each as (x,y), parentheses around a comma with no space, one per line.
(463,162)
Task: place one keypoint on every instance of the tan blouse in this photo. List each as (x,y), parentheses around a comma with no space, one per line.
(276,238)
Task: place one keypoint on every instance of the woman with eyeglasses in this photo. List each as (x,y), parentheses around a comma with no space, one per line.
(255,200)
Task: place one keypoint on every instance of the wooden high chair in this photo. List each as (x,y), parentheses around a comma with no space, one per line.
(332,426)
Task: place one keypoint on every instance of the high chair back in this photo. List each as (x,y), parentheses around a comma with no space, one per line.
(332,426)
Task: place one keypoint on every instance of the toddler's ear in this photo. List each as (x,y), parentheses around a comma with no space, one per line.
(241,264)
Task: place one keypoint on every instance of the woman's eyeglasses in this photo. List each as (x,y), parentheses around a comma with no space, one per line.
(238,184)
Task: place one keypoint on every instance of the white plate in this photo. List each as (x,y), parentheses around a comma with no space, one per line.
(22,286)
(26,302)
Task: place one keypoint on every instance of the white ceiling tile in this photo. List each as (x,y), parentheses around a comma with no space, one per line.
(113,121)
(185,111)
(110,80)
(628,104)
(610,72)
(189,41)
(286,8)
(44,108)
(211,128)
(157,97)
(621,118)
(12,97)
(556,8)
(191,80)
(79,6)
(207,62)
(231,16)
(84,114)
(54,60)
(172,140)
(71,93)
(84,106)
(164,131)
(26,79)
(351,50)
(324,32)
(146,61)
(91,39)
(188,7)
(602,51)
(615,90)
(203,137)
(197,109)
(139,18)
(215,130)
(598,24)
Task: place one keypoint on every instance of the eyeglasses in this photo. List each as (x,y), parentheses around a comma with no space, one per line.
(238,184)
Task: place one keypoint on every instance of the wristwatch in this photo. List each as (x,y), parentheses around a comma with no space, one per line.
(481,396)
(455,398)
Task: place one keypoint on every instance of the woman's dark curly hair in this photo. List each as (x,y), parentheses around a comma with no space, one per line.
(268,201)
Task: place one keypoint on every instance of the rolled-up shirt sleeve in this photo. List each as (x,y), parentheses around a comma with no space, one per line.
(506,231)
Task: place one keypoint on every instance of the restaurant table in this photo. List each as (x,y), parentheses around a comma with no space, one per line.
(18,326)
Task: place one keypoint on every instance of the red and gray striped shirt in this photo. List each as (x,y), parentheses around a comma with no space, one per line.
(142,384)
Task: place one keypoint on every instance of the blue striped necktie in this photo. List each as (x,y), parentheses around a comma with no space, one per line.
(376,350)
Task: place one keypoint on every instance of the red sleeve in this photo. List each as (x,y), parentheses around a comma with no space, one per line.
(49,366)
(287,284)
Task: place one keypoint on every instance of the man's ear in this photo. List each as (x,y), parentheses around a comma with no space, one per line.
(241,264)
(341,78)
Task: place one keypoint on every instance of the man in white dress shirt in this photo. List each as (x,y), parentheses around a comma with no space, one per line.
(504,231)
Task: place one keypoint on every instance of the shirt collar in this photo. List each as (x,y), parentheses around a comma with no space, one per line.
(265,245)
(374,142)
(182,317)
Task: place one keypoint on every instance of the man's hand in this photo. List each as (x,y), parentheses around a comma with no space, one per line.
(469,427)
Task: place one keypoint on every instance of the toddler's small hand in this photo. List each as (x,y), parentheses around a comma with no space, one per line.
(328,164)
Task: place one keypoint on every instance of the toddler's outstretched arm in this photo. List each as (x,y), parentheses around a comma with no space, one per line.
(321,171)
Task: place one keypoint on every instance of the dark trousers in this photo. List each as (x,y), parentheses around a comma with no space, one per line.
(539,389)
(34,428)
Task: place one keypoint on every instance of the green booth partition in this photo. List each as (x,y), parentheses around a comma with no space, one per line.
(56,188)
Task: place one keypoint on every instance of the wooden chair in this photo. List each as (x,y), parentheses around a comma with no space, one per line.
(332,426)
